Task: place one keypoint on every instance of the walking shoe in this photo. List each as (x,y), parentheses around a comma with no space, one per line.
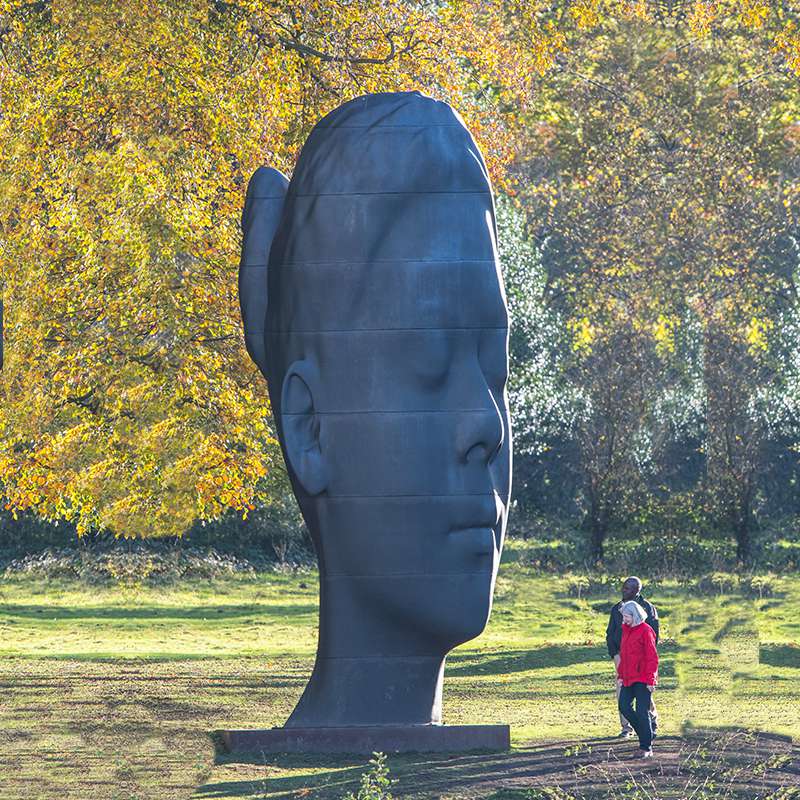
(639,753)
(625,733)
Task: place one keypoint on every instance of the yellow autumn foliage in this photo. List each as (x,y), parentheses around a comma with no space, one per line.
(127,135)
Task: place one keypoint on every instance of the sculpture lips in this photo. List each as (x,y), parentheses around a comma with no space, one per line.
(480,525)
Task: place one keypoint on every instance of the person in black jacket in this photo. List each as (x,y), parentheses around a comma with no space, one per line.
(631,590)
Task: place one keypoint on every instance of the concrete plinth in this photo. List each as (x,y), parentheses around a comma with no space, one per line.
(385,739)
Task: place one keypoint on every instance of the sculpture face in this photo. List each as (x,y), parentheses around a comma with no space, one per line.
(415,444)
(386,356)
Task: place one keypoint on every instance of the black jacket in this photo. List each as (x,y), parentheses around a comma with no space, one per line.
(614,629)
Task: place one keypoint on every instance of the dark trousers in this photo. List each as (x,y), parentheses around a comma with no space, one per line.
(640,718)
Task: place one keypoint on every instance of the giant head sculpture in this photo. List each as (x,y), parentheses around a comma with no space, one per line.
(373,304)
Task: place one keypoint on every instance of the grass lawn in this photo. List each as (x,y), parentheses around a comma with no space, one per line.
(114,695)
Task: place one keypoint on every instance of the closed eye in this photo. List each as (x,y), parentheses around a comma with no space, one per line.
(433,359)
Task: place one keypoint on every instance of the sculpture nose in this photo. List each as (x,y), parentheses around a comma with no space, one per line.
(483,434)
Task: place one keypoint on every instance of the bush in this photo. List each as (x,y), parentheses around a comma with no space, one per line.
(577,585)
(270,534)
(673,555)
(760,586)
(27,533)
(130,564)
(558,548)
(583,585)
(777,546)
(375,782)
(717,583)
(684,552)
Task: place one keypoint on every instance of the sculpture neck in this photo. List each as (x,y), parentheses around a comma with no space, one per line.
(373,667)
(396,690)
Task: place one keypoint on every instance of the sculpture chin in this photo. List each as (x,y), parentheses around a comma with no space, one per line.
(442,611)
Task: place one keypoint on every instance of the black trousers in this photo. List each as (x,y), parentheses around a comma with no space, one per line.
(639,718)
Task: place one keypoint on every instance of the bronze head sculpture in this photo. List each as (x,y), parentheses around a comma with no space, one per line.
(373,303)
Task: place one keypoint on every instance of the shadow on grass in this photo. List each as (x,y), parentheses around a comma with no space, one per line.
(334,775)
(779,655)
(524,660)
(546,657)
(744,761)
(736,626)
(200,613)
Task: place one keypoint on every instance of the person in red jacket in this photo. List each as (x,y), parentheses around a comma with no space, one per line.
(638,671)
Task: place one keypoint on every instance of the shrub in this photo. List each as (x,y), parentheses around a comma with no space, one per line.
(760,586)
(717,583)
(130,564)
(375,782)
(577,585)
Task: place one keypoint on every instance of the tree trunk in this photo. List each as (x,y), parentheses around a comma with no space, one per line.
(742,529)
(598,530)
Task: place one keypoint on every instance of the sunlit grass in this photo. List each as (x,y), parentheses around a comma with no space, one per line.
(113,694)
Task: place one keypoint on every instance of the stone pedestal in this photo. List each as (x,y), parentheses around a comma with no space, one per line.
(368,739)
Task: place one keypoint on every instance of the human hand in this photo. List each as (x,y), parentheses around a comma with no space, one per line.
(651,687)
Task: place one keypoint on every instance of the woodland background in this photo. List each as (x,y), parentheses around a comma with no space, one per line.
(645,156)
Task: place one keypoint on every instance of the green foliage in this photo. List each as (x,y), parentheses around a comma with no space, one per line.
(375,782)
(540,399)
(672,276)
(551,544)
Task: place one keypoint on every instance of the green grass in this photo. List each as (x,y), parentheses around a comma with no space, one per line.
(114,695)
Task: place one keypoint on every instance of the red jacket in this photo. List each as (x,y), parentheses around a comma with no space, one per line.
(638,655)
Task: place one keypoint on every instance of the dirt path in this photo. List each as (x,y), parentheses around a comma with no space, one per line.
(700,764)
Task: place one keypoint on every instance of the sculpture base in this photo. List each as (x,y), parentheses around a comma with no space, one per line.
(369,739)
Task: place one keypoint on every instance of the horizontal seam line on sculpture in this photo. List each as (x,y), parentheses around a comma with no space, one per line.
(409,574)
(417,411)
(379,126)
(393,496)
(388,194)
(352,262)
(336,261)
(387,330)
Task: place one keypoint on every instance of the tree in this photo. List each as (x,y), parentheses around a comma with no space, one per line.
(127,136)
(657,181)
(543,404)
(129,130)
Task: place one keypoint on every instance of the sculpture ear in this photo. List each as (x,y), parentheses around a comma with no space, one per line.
(262,212)
(301,427)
